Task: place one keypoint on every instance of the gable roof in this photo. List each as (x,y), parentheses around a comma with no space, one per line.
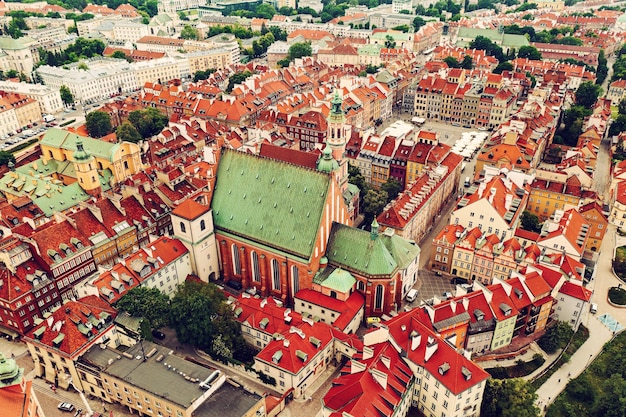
(270,202)
(190,210)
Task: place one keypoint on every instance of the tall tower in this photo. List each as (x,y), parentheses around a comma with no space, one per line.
(86,172)
(337,138)
(193,225)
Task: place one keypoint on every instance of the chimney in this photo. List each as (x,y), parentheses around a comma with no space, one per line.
(431,348)
(465,303)
(453,306)
(416,339)
(492,194)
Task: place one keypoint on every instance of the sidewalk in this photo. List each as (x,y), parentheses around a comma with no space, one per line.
(599,335)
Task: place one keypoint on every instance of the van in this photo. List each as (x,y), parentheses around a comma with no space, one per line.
(48,118)
(411,295)
(593,309)
(235,285)
(467,181)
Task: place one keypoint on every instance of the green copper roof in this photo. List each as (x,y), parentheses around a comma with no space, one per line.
(327,163)
(371,49)
(355,250)
(402,250)
(62,199)
(493,35)
(270,202)
(59,138)
(335,278)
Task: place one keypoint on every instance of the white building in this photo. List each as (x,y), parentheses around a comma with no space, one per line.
(572,300)
(102,79)
(159,70)
(399,5)
(129,31)
(193,225)
(8,118)
(48,98)
(495,206)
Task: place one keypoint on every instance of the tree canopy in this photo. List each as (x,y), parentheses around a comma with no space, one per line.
(555,337)
(98,124)
(189,32)
(6,157)
(587,94)
(148,122)
(66,95)
(529,52)
(237,78)
(485,44)
(530,222)
(149,303)
(126,132)
(509,398)
(200,316)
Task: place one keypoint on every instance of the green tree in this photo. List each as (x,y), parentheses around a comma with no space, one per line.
(503,66)
(237,78)
(390,42)
(98,124)
(200,315)
(355,177)
(603,69)
(373,203)
(149,303)
(126,132)
(189,32)
(120,55)
(392,187)
(300,49)
(418,22)
(509,398)
(148,122)
(555,337)
(265,11)
(6,157)
(66,95)
(452,62)
(530,222)
(485,44)
(529,52)
(618,125)
(467,62)
(587,94)
(611,401)
(621,107)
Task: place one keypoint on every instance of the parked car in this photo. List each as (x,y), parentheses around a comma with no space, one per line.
(411,295)
(65,407)
(157,334)
(457,280)
(235,284)
(447,295)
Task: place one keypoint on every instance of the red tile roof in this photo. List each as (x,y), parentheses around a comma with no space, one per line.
(292,156)
(576,290)
(347,309)
(413,334)
(72,316)
(190,210)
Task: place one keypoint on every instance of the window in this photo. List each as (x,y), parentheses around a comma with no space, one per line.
(256,271)
(236,260)
(378,297)
(295,278)
(183,229)
(202,225)
(275,275)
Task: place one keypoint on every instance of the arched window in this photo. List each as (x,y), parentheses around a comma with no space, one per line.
(378,297)
(202,225)
(275,275)
(183,228)
(295,278)
(236,260)
(360,285)
(256,271)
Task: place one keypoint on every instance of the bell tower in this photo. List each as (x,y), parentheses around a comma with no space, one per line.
(337,138)
(86,172)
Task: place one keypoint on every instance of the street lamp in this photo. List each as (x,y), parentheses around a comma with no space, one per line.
(82,397)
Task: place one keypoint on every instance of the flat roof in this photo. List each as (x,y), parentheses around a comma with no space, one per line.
(158,378)
(228,401)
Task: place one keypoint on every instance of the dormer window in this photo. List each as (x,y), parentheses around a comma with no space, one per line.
(65,249)
(77,243)
(54,255)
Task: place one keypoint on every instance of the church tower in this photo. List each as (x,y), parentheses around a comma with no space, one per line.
(337,138)
(86,172)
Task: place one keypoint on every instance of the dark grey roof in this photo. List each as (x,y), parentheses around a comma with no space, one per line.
(228,401)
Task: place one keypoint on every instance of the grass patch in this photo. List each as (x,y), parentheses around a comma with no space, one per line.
(579,338)
(519,370)
(614,112)
(619,262)
(617,295)
(590,394)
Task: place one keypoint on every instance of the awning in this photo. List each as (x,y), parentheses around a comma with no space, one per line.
(9,332)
